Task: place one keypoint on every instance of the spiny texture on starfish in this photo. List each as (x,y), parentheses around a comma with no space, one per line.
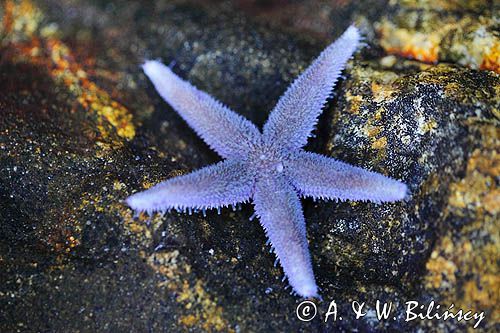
(269,168)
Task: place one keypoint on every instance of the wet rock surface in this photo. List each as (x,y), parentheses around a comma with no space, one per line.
(422,124)
(81,129)
(462,32)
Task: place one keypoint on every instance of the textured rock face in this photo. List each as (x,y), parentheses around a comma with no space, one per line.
(465,32)
(462,32)
(81,129)
(416,127)
(428,128)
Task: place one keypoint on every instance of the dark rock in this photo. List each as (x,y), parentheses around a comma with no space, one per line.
(81,129)
(421,125)
(462,32)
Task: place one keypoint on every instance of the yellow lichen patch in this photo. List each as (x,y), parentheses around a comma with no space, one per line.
(21,23)
(478,191)
(475,265)
(64,236)
(468,194)
(117,185)
(141,228)
(485,291)
(380,81)
(208,315)
(379,113)
(63,245)
(201,309)
(381,91)
(491,202)
(428,126)
(463,268)
(379,143)
(441,272)
(372,132)
(490,165)
(88,94)
(93,200)
(355,102)
(146,184)
(189,320)
(177,173)
(166,263)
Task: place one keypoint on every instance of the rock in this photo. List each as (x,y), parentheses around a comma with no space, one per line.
(80,134)
(463,266)
(462,32)
(81,129)
(425,125)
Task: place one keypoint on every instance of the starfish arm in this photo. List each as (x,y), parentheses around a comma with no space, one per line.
(280,212)
(222,184)
(326,178)
(226,132)
(297,111)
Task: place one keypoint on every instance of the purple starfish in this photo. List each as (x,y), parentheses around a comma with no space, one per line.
(269,167)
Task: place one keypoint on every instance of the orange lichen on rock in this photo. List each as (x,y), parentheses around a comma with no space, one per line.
(491,60)
(409,44)
(20,20)
(88,93)
(466,40)
(22,26)
(7,21)
(201,309)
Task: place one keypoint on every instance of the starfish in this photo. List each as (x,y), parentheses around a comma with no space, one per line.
(269,167)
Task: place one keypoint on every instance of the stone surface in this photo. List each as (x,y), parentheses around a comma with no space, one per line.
(429,126)
(462,32)
(81,129)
